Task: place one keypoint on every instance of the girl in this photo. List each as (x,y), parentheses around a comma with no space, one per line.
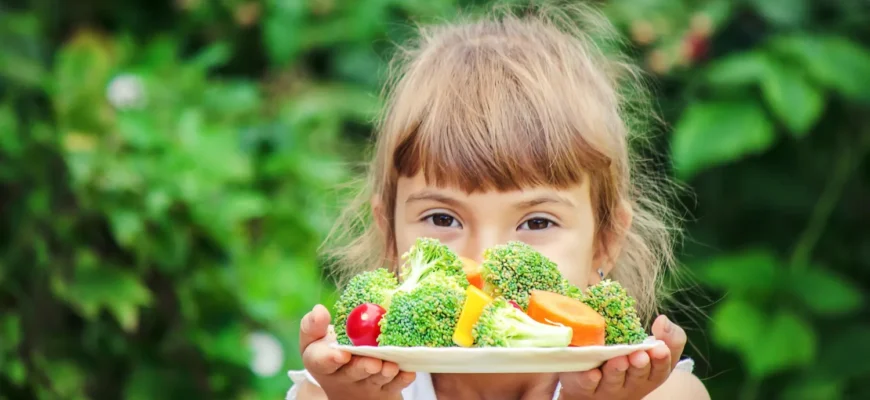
(498,129)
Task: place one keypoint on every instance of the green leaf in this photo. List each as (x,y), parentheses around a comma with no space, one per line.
(745,68)
(737,325)
(10,138)
(834,61)
(788,342)
(97,287)
(826,293)
(82,72)
(749,271)
(782,12)
(15,371)
(126,226)
(10,327)
(712,133)
(810,387)
(283,21)
(842,349)
(795,100)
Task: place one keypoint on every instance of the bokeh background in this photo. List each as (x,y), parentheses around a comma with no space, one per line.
(169,168)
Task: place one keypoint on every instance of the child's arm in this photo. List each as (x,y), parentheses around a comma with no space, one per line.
(680,385)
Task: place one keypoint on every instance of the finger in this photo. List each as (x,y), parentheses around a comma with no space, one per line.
(661,364)
(638,372)
(360,368)
(580,384)
(320,359)
(673,336)
(613,376)
(400,382)
(388,372)
(314,326)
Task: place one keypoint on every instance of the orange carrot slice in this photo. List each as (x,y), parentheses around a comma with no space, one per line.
(472,272)
(556,309)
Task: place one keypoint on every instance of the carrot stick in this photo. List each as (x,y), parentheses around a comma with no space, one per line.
(556,309)
(472,272)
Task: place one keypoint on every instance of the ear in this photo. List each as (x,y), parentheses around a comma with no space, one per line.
(379,215)
(612,240)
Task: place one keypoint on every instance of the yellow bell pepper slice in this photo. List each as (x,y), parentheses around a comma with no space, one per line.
(475,301)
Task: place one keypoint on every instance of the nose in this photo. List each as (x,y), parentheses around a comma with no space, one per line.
(479,240)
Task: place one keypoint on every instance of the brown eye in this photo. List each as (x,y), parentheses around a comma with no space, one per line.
(537,224)
(443,220)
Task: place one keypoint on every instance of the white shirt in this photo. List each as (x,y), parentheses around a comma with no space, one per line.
(421,388)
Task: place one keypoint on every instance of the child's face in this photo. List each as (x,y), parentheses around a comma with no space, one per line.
(558,223)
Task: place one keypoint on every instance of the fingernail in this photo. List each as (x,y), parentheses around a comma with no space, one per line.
(669,326)
(306,323)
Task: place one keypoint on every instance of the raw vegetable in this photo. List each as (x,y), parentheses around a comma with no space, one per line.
(472,272)
(553,308)
(428,256)
(425,315)
(514,269)
(502,325)
(363,324)
(617,307)
(374,287)
(475,301)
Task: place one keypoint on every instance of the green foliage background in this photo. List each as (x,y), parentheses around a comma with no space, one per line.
(168,169)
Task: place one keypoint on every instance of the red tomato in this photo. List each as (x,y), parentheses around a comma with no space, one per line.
(363,326)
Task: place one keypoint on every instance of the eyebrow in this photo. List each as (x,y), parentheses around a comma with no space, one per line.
(544,199)
(432,196)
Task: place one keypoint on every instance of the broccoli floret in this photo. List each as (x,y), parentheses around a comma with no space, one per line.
(611,300)
(424,316)
(374,287)
(514,269)
(503,325)
(426,257)
(572,291)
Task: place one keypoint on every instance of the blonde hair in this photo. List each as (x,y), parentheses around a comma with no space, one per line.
(467,100)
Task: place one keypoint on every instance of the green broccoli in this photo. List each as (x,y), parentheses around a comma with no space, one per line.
(424,315)
(573,292)
(611,300)
(514,269)
(425,257)
(503,325)
(374,287)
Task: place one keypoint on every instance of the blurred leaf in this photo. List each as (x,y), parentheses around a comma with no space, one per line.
(749,271)
(215,55)
(20,61)
(96,287)
(126,226)
(15,371)
(745,68)
(834,61)
(826,293)
(82,72)
(66,378)
(10,141)
(797,102)
(711,133)
(737,325)
(282,27)
(813,388)
(788,341)
(782,12)
(840,353)
(10,327)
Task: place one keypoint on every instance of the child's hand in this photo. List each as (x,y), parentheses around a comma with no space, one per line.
(342,376)
(631,377)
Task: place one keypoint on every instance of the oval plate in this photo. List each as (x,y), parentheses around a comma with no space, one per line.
(497,359)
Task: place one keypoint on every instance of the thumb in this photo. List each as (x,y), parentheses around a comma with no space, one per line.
(673,336)
(314,326)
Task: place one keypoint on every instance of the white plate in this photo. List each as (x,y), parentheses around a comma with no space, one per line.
(497,360)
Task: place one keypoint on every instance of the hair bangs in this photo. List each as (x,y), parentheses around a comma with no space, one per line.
(488,151)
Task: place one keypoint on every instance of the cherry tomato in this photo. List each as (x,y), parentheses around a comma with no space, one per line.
(363,326)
